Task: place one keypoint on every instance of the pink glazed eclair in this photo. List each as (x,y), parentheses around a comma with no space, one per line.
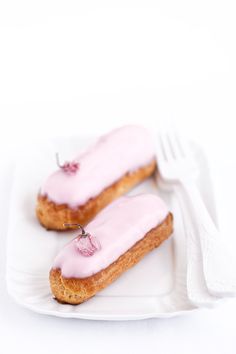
(118,238)
(78,190)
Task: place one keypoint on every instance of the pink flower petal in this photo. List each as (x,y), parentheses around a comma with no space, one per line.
(70,167)
(87,245)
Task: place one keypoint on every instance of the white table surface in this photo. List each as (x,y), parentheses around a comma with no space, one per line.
(75,67)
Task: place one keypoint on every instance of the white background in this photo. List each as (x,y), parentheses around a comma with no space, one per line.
(68,67)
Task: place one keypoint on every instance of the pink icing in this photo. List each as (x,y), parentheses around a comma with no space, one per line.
(123,150)
(117,228)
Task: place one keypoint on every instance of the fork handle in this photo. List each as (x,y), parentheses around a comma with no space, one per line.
(218,260)
(197,290)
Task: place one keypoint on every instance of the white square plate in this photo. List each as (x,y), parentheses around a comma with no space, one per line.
(156,287)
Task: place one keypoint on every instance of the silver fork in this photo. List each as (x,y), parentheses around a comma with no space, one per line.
(177,167)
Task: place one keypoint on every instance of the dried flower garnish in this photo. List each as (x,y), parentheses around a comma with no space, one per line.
(85,243)
(68,167)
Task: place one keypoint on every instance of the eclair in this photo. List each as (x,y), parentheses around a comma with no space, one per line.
(117,239)
(79,189)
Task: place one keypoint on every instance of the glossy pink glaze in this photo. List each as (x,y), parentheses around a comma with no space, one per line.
(117,227)
(123,150)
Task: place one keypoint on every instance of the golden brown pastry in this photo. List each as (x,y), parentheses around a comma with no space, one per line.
(80,189)
(118,238)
